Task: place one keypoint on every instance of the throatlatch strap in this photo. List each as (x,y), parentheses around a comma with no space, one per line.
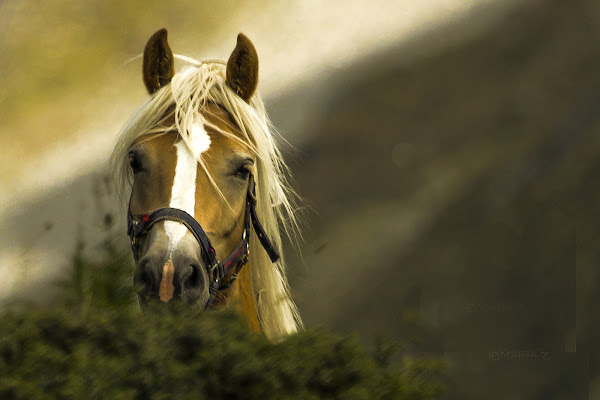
(258,228)
(262,237)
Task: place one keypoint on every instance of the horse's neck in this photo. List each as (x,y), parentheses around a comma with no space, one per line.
(241,295)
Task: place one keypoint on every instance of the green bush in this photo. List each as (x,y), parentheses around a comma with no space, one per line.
(94,343)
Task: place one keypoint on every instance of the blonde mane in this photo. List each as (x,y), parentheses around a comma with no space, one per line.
(189,90)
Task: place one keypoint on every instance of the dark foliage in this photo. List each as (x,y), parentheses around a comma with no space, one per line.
(94,343)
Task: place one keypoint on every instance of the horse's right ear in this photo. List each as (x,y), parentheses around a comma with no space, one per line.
(159,66)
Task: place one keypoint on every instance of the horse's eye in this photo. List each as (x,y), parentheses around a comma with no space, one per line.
(134,162)
(243,172)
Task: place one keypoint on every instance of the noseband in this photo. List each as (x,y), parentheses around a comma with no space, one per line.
(140,225)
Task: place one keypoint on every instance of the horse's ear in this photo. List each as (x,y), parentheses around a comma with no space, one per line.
(242,68)
(159,66)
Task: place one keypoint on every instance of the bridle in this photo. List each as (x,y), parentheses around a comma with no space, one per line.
(140,225)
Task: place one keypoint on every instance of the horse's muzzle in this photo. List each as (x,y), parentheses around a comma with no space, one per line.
(176,280)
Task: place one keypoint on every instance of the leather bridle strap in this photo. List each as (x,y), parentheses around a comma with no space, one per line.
(141,225)
(138,226)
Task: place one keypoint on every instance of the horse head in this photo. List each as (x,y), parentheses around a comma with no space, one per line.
(203,167)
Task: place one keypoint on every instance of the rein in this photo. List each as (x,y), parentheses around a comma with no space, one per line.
(140,225)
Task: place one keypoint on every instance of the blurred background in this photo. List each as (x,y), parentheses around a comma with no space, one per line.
(447,151)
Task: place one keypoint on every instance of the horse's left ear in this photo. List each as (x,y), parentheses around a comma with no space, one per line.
(159,66)
(242,68)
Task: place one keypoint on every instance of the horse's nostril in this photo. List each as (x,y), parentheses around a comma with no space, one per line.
(194,280)
(146,277)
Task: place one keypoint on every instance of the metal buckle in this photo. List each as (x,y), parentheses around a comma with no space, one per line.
(215,266)
(217,270)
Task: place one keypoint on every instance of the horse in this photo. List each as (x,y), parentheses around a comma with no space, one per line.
(209,189)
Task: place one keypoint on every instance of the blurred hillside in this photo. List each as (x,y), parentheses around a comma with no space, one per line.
(463,188)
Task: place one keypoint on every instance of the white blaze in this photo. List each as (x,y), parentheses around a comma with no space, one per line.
(183,193)
(199,139)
